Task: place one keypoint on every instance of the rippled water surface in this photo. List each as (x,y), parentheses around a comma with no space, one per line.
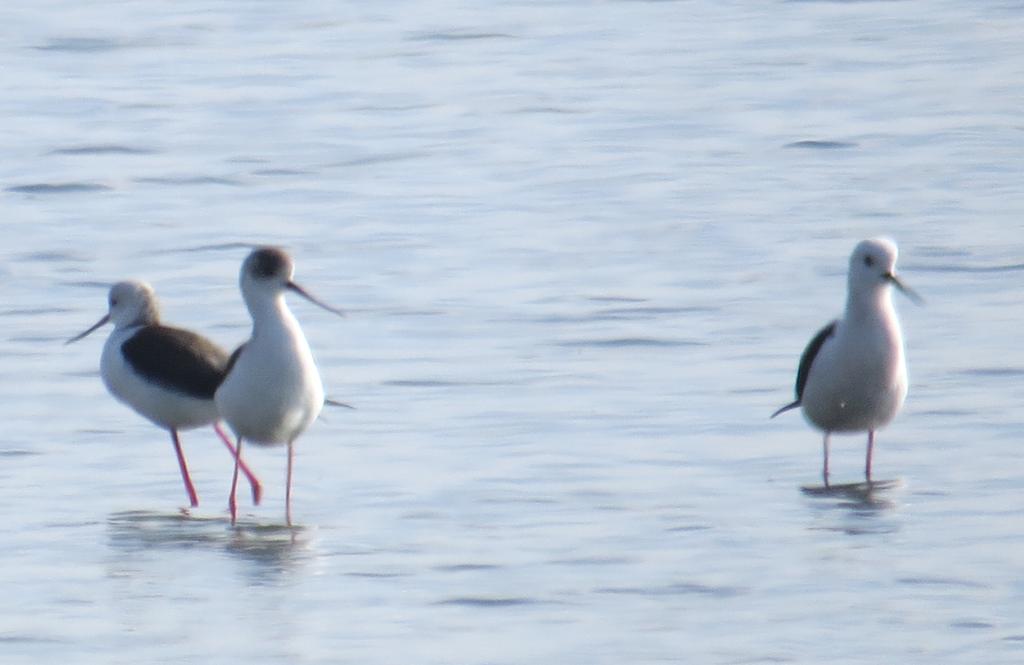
(580,247)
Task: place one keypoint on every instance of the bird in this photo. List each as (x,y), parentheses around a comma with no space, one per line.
(852,376)
(167,375)
(272,390)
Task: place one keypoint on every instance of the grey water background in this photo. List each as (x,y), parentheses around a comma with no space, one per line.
(581,246)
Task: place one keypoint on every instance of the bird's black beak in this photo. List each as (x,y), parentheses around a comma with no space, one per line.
(903,288)
(292,286)
(101,322)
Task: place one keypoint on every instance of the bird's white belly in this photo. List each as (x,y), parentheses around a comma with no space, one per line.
(268,397)
(161,406)
(843,395)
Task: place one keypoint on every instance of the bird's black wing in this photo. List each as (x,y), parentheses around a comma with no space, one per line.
(179,360)
(810,353)
(234,358)
(806,360)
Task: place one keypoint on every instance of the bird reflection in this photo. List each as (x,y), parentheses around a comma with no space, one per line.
(868,495)
(273,549)
(863,507)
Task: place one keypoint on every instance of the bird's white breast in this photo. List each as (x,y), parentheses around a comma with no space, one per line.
(273,391)
(858,381)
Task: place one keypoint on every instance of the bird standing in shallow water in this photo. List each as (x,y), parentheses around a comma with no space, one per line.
(272,391)
(853,374)
(167,375)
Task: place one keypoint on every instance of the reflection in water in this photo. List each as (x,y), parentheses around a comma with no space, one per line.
(136,530)
(863,506)
(869,495)
(275,549)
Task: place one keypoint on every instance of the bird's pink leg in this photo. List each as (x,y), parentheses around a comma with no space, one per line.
(189,487)
(288,485)
(232,506)
(871,447)
(254,482)
(824,471)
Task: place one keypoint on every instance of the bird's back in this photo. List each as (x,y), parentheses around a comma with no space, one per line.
(168,375)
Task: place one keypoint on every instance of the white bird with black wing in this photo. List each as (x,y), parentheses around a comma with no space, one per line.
(272,391)
(167,375)
(853,375)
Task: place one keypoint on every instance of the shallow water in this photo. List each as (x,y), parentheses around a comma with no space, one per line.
(580,247)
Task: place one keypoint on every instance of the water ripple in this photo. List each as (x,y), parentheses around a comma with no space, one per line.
(18,453)
(213,247)
(47,256)
(993,371)
(369,160)
(103,149)
(941,582)
(623,314)
(629,342)
(80,45)
(280,172)
(190,180)
(458,36)
(465,567)
(31,639)
(821,145)
(59,188)
(551,110)
(439,383)
(949,268)
(617,299)
(593,561)
(676,589)
(477,601)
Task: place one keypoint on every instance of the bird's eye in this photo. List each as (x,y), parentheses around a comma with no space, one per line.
(113,302)
(869,261)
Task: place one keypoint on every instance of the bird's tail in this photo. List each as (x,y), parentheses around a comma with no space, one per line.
(791,405)
(334,402)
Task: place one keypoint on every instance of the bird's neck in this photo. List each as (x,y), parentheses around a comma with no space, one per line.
(870,305)
(270,315)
